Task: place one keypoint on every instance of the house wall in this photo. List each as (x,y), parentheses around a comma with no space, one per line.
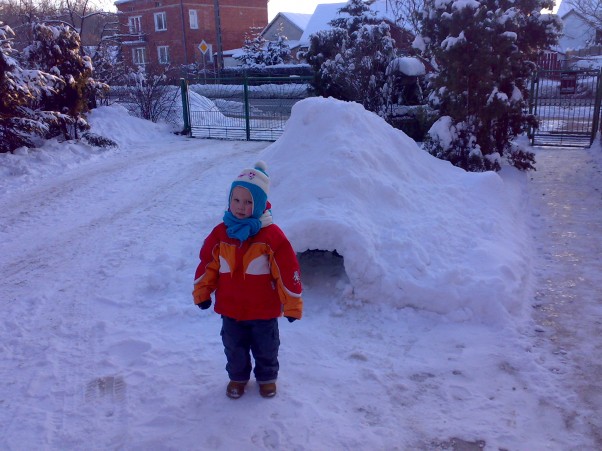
(284,27)
(577,34)
(236,17)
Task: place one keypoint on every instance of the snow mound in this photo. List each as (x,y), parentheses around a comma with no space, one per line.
(414,231)
(212,116)
(108,121)
(25,166)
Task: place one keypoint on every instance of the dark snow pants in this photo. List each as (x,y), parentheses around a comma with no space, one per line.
(259,337)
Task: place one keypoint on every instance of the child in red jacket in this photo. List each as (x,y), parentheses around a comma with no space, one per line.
(250,264)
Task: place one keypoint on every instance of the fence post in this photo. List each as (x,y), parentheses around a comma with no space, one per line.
(185,107)
(533,104)
(247,109)
(596,118)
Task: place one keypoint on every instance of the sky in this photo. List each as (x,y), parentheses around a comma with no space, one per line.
(417,334)
(295,6)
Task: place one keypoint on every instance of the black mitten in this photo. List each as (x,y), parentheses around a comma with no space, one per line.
(205,304)
(290,319)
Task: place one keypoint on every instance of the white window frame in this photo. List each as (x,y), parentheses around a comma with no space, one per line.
(193,17)
(161,21)
(135,24)
(139,56)
(163,54)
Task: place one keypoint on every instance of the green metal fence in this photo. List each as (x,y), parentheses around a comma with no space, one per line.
(243,109)
(567,107)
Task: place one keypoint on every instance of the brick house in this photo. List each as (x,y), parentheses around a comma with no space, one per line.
(162,32)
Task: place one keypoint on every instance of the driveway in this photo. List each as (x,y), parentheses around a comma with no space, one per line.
(566,200)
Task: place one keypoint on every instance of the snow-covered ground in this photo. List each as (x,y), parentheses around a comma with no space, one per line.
(421,336)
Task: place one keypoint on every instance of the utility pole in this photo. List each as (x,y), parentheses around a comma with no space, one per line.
(218,31)
(184,34)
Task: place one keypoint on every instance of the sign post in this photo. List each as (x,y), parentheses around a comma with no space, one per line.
(204,47)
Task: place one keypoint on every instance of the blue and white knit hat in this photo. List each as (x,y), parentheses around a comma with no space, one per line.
(256,180)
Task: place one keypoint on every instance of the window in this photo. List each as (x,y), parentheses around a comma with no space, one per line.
(163,54)
(139,56)
(135,24)
(160,22)
(194,20)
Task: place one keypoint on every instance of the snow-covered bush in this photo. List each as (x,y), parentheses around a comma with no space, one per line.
(149,94)
(257,52)
(277,52)
(20,91)
(109,68)
(252,50)
(57,49)
(98,141)
(483,50)
(351,59)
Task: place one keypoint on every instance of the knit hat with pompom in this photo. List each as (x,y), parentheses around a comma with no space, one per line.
(256,180)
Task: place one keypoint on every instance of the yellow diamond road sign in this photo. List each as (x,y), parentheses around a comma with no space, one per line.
(203,47)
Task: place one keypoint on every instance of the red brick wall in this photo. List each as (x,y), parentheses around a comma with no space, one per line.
(237,17)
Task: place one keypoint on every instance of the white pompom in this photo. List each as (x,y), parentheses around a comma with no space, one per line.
(261,166)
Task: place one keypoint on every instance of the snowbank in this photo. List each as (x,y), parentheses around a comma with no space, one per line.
(414,231)
(54,157)
(116,123)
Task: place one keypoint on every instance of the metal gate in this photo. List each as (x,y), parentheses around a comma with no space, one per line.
(241,109)
(567,107)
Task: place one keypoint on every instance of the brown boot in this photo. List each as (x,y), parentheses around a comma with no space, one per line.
(235,390)
(267,390)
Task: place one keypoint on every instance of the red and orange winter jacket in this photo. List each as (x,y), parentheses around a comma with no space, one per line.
(258,279)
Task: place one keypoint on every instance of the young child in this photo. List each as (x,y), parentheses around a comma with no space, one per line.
(250,264)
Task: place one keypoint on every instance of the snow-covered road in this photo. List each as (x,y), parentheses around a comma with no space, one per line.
(72,247)
(101,348)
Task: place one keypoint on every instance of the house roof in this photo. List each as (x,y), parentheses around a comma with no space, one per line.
(326,12)
(295,19)
(299,19)
(319,20)
(383,10)
(565,7)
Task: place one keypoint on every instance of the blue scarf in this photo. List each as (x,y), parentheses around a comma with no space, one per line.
(241,229)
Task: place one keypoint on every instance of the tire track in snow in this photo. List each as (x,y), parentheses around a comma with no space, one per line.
(30,217)
(47,266)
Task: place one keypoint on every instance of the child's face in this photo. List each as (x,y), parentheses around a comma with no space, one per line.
(241,203)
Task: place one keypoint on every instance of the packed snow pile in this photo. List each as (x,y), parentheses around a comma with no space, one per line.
(116,123)
(211,113)
(412,67)
(54,156)
(414,231)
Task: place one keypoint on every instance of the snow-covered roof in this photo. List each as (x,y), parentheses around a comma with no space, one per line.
(565,7)
(320,19)
(383,10)
(299,19)
(326,12)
